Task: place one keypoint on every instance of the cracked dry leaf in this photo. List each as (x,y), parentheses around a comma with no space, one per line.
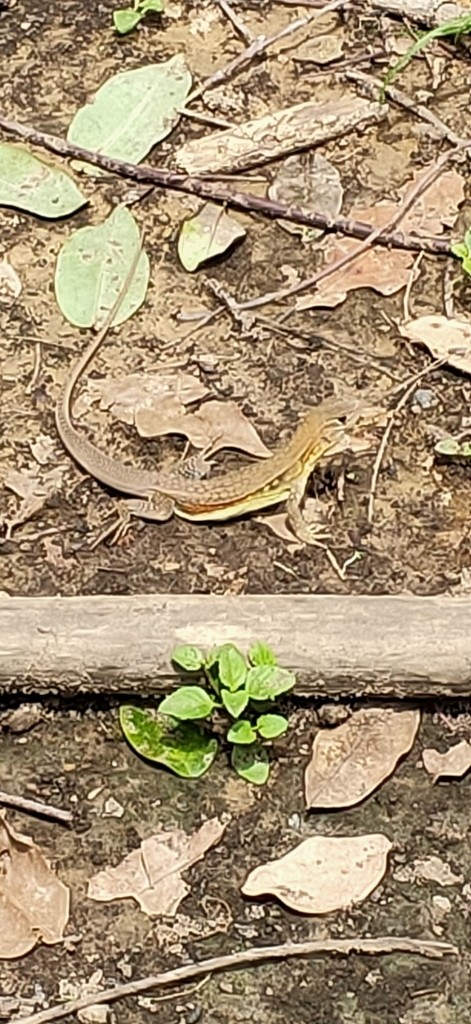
(151,875)
(34,904)
(428,869)
(216,425)
(454,763)
(446,338)
(323,874)
(349,762)
(209,233)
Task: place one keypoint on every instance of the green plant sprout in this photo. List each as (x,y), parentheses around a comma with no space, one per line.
(456,27)
(236,697)
(463,251)
(127,18)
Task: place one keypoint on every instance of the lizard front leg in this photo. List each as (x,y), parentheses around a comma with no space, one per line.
(308,533)
(157,507)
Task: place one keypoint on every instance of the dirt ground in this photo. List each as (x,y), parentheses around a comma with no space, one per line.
(55,55)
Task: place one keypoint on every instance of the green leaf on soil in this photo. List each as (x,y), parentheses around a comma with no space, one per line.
(242,732)
(271,726)
(186,703)
(232,667)
(180,746)
(188,657)
(28,183)
(133,110)
(125,19)
(261,654)
(266,682)
(92,267)
(234,703)
(251,763)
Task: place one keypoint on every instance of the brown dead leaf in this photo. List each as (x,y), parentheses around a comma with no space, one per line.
(445,338)
(216,425)
(125,396)
(34,904)
(349,762)
(151,875)
(307,179)
(324,873)
(454,763)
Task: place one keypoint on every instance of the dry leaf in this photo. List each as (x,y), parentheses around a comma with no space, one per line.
(10,284)
(309,180)
(282,132)
(125,396)
(349,762)
(445,338)
(428,869)
(324,873)
(151,875)
(34,904)
(216,425)
(454,763)
(208,234)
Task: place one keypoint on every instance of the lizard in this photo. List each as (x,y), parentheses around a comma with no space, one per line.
(158,494)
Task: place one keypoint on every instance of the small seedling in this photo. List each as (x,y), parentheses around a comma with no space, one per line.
(127,18)
(234,695)
(463,251)
(455,28)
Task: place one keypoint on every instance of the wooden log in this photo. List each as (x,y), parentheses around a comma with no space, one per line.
(388,646)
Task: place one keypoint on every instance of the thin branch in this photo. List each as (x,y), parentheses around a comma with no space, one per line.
(20,803)
(374,88)
(236,22)
(221,194)
(258,954)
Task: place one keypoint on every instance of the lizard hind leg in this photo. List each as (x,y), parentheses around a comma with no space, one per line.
(157,507)
(308,533)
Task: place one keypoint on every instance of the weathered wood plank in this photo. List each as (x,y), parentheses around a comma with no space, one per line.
(402,646)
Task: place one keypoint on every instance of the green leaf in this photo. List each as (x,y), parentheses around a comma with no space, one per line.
(92,267)
(188,657)
(125,19)
(265,682)
(209,233)
(180,746)
(241,732)
(271,726)
(133,110)
(156,6)
(234,703)
(460,250)
(450,446)
(261,654)
(232,667)
(251,763)
(29,184)
(187,702)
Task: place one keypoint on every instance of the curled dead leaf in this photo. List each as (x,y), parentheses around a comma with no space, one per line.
(349,762)
(324,873)
(446,338)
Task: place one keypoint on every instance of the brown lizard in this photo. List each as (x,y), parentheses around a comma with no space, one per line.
(283,477)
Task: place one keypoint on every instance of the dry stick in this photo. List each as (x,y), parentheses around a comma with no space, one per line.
(374,87)
(258,954)
(387,433)
(221,194)
(237,22)
(413,275)
(20,803)
(258,46)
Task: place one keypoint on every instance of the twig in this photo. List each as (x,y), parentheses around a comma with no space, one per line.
(237,22)
(258,46)
(409,385)
(413,275)
(36,369)
(375,88)
(20,803)
(258,954)
(221,194)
